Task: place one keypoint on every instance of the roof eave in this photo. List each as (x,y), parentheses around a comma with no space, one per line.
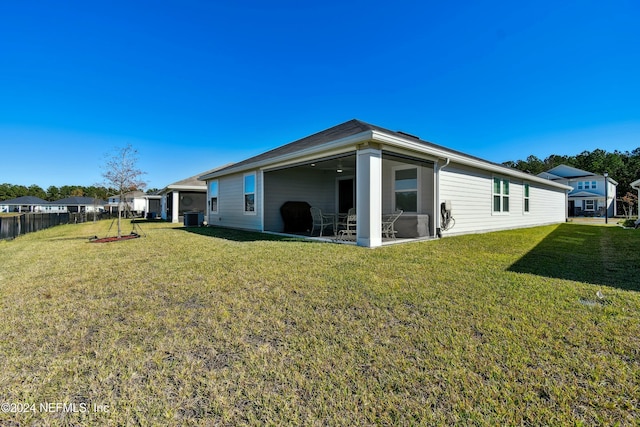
(293,157)
(443,153)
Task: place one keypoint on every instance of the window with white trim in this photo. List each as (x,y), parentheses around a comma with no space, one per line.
(526,197)
(213,196)
(406,189)
(250,193)
(500,195)
(589,205)
(594,185)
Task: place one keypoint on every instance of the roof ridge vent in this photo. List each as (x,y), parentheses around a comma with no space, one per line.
(408,134)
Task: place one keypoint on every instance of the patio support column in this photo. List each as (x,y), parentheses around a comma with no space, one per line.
(175,212)
(369,197)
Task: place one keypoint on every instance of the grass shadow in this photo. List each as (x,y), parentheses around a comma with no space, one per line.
(240,235)
(605,256)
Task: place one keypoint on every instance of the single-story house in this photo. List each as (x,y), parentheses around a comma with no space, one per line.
(24,204)
(76,204)
(587,197)
(139,203)
(186,195)
(377,171)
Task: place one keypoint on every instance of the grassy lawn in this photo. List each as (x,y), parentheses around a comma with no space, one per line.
(208,327)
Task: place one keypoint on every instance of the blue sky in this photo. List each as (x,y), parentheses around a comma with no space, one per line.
(196,84)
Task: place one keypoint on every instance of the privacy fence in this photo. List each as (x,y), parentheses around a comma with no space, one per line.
(13,226)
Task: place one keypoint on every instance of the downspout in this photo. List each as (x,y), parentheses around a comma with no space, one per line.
(437,207)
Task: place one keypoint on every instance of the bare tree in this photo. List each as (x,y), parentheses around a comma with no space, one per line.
(121,172)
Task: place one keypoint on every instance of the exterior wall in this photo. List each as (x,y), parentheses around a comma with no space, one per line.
(316,187)
(231,203)
(611,205)
(138,204)
(599,191)
(471,193)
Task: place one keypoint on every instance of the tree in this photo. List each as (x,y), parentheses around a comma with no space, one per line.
(122,173)
(53,193)
(628,202)
(36,191)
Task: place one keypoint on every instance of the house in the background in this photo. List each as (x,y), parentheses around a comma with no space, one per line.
(376,171)
(76,204)
(587,197)
(186,195)
(636,184)
(24,204)
(137,202)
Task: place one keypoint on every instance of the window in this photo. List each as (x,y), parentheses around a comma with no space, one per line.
(526,197)
(580,185)
(593,185)
(406,189)
(250,193)
(500,195)
(213,194)
(589,205)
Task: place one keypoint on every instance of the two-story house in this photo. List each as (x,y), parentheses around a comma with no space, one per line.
(589,191)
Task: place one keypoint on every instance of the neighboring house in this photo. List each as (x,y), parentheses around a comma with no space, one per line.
(138,202)
(24,204)
(378,171)
(636,185)
(587,197)
(76,204)
(187,195)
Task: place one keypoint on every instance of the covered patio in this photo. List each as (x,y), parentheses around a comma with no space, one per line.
(374,182)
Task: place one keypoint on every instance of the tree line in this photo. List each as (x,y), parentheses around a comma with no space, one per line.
(623,167)
(52,193)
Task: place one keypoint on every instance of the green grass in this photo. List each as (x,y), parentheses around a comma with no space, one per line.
(232,328)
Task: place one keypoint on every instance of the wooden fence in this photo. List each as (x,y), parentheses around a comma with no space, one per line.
(15,225)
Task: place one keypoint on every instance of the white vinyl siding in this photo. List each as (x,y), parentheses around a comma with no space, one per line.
(231,204)
(471,193)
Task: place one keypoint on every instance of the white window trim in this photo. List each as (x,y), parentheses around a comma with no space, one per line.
(502,212)
(524,197)
(255,192)
(418,182)
(595,204)
(217,196)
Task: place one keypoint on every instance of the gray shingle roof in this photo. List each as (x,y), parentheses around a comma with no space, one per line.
(344,130)
(25,200)
(350,128)
(78,201)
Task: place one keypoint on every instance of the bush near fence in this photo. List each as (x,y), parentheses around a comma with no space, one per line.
(16,225)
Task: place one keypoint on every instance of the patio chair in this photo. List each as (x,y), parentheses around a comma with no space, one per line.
(349,230)
(341,224)
(321,221)
(388,222)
